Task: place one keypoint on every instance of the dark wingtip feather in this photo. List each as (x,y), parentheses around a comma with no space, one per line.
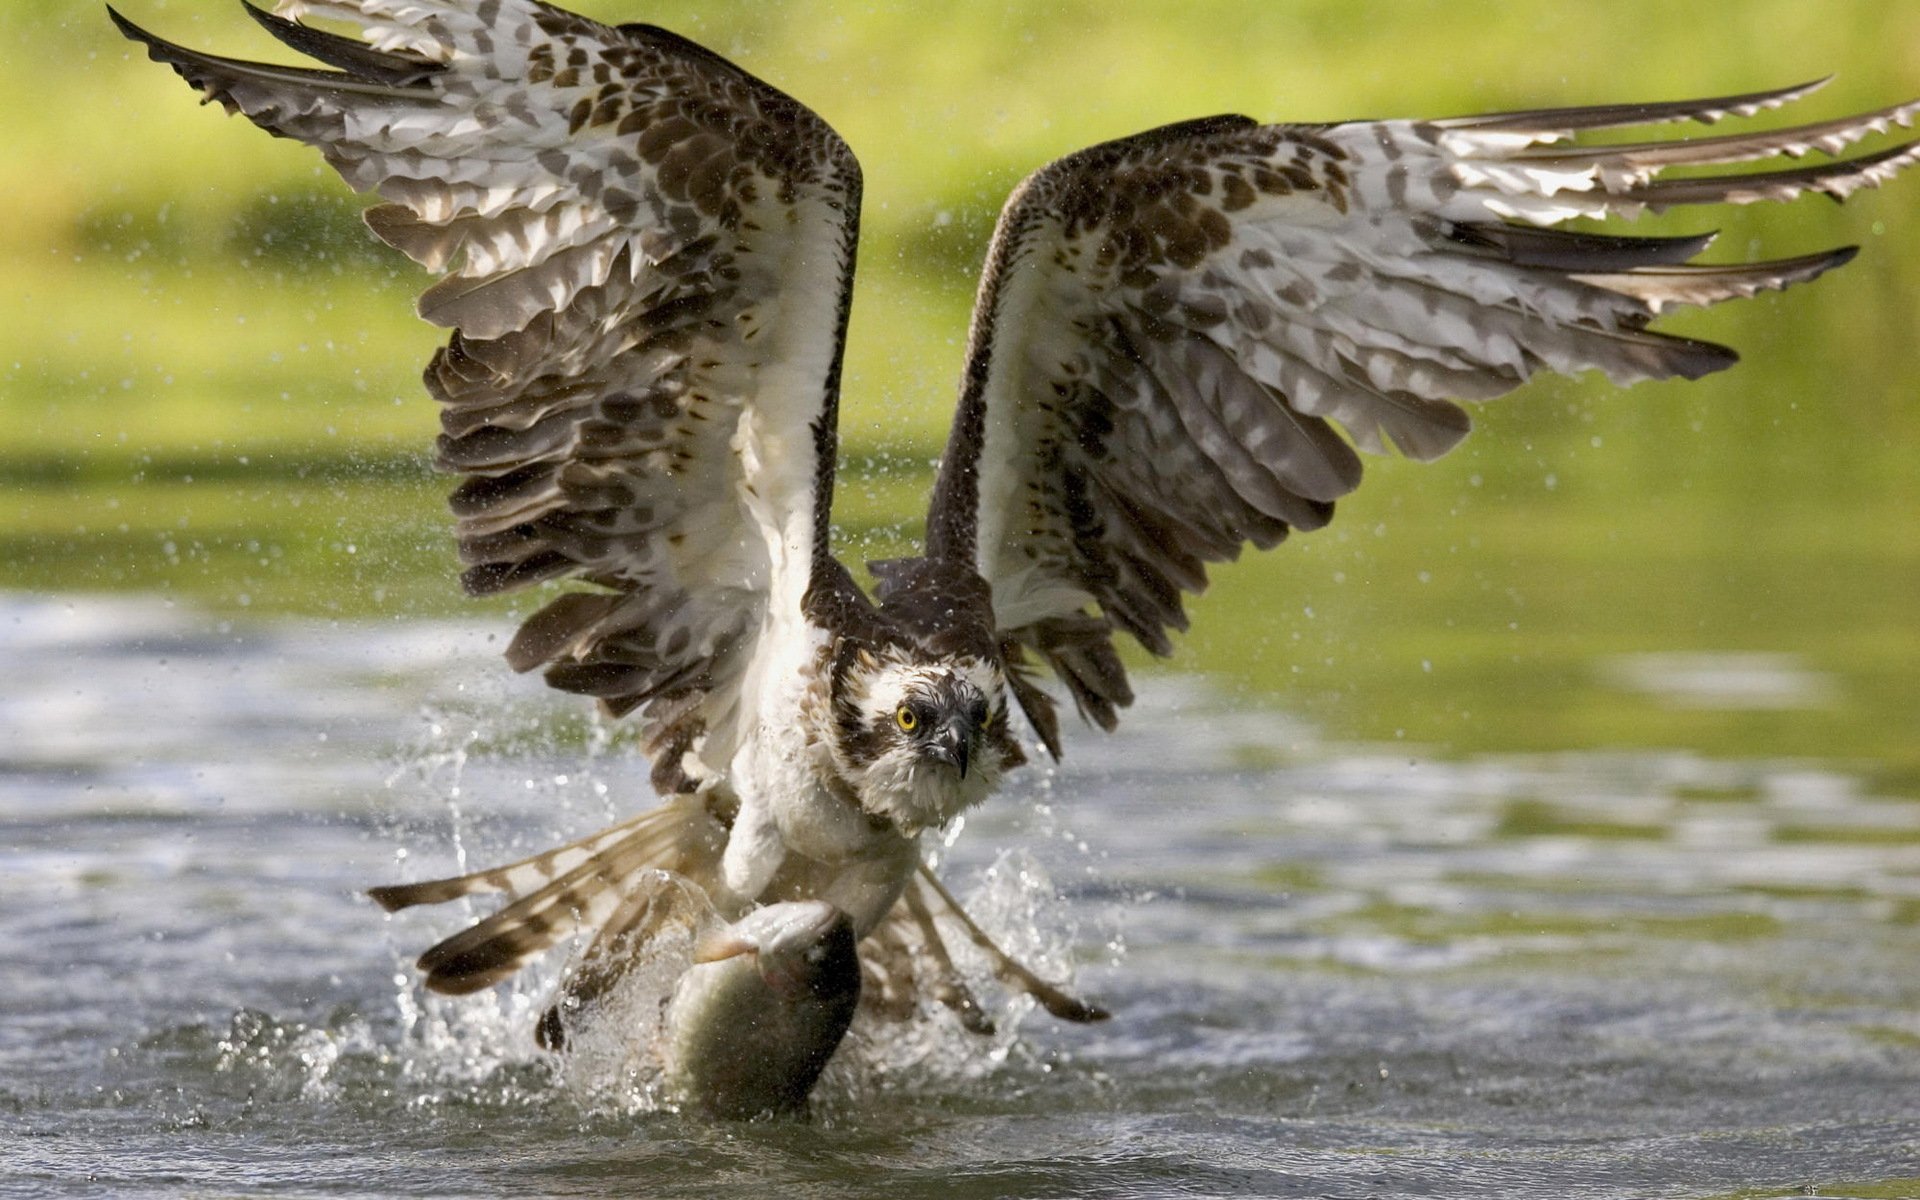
(489,578)
(1621,116)
(356,58)
(1694,359)
(159,49)
(1576,250)
(127,28)
(391,898)
(1837,180)
(216,76)
(469,961)
(396,896)
(546,633)
(1032,699)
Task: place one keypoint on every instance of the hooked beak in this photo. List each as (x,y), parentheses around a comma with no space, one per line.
(952,747)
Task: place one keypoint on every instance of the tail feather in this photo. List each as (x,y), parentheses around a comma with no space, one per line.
(485,953)
(596,885)
(517,878)
(657,901)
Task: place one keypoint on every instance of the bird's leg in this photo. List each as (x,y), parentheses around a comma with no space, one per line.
(948,988)
(1006,968)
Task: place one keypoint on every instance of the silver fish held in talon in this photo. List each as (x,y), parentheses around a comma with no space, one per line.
(755,1019)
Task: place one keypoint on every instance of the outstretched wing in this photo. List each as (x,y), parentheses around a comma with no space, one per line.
(647,257)
(1174,331)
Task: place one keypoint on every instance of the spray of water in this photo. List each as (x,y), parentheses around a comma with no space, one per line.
(471,769)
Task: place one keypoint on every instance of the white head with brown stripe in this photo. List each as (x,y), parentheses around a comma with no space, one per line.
(919,739)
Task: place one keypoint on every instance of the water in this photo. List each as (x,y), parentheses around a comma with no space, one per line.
(1341,971)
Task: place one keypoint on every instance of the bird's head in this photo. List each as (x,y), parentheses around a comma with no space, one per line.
(921,740)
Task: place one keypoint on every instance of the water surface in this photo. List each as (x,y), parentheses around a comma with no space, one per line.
(1337,970)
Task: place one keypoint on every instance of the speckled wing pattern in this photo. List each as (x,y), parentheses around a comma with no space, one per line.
(1175,330)
(647,258)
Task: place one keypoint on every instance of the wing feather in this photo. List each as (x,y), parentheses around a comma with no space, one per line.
(646,259)
(1182,336)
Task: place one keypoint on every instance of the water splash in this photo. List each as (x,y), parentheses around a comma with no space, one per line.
(1669,972)
(295,1059)
(462,770)
(932,1052)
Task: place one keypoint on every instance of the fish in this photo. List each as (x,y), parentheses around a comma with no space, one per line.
(764,1005)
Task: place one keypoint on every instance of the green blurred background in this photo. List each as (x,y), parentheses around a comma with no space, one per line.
(208,371)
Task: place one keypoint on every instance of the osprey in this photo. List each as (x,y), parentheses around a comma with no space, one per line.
(1181,340)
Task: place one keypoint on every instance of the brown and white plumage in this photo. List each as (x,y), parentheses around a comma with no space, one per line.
(1182,340)
(1175,331)
(647,257)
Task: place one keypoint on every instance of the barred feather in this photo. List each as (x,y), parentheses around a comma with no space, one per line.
(647,258)
(581,889)
(1179,333)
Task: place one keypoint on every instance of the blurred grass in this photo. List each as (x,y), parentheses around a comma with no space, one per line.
(209,373)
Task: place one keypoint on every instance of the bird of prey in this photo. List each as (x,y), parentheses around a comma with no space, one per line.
(1181,341)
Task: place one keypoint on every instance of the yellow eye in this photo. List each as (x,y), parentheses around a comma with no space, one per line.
(904,718)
